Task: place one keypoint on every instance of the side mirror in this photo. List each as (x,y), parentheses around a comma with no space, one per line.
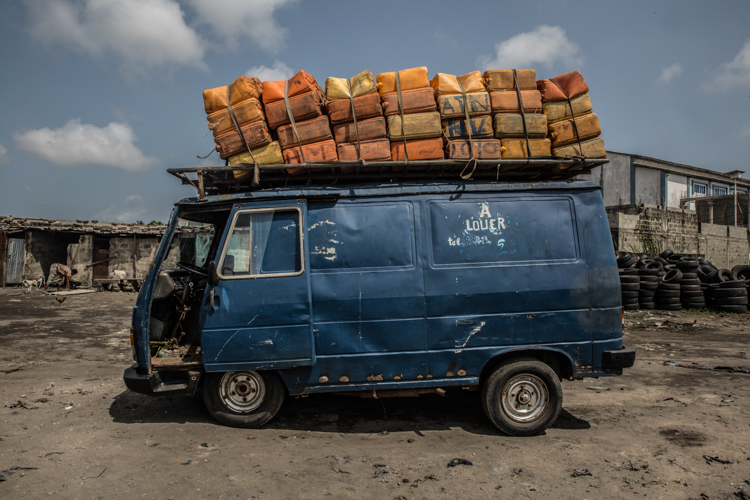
(213,276)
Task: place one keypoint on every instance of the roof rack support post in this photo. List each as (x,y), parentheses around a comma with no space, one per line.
(201,190)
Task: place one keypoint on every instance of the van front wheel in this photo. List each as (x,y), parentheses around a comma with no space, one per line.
(523,397)
(243,399)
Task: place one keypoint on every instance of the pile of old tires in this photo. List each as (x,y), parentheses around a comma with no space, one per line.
(672,282)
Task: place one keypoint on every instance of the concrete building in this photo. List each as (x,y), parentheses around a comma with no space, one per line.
(635,180)
(94,248)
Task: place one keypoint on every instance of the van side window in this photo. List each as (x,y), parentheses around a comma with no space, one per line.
(263,242)
(373,235)
(485,232)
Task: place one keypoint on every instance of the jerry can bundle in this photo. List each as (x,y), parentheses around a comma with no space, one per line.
(360,130)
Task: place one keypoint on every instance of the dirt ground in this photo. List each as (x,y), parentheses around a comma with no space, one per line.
(68,422)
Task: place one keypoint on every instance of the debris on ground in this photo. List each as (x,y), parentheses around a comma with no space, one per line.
(710,460)
(459,461)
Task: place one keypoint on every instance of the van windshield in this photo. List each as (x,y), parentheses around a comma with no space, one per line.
(193,242)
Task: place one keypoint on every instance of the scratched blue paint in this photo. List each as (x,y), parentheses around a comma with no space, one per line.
(396,304)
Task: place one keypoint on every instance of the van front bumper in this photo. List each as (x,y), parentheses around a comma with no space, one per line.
(162,383)
(618,359)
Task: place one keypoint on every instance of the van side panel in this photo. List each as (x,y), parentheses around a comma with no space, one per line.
(504,271)
(604,282)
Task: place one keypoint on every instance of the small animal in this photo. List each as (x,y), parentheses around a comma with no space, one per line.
(31,284)
(117,275)
(60,299)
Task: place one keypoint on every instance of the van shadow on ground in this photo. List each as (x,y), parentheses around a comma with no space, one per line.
(336,413)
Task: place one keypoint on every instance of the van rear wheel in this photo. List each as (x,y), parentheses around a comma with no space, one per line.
(243,399)
(523,397)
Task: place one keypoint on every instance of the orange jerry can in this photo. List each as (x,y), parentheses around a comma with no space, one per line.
(516,148)
(420,149)
(366,106)
(324,151)
(247,111)
(484,149)
(370,129)
(414,78)
(304,107)
(563,133)
(592,148)
(374,150)
(298,84)
(571,83)
(315,130)
(415,101)
(229,143)
(502,79)
(244,87)
(506,101)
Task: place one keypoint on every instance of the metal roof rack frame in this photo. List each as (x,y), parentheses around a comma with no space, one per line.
(222,180)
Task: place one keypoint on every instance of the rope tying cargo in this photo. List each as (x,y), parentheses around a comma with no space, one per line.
(468,128)
(523,116)
(401,109)
(291,120)
(354,115)
(256,169)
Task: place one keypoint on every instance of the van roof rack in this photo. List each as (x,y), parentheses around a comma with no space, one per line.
(224,179)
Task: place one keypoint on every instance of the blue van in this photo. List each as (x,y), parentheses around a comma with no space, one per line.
(383,290)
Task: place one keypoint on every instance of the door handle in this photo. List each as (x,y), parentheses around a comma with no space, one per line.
(211,297)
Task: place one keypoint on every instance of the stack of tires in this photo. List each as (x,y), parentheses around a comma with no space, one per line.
(667,295)
(648,274)
(691,294)
(730,296)
(630,286)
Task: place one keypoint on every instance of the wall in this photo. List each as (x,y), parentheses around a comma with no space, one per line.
(647,186)
(123,251)
(676,189)
(79,257)
(723,210)
(44,249)
(615,179)
(648,229)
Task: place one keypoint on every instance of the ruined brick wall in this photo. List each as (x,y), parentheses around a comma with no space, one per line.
(124,251)
(648,229)
(44,249)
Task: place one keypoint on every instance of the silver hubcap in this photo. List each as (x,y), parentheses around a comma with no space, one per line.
(242,392)
(524,398)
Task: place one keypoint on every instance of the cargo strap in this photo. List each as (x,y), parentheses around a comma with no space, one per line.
(256,169)
(573,118)
(401,109)
(291,120)
(356,127)
(523,116)
(468,128)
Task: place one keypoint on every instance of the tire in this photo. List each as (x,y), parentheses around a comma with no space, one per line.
(733,284)
(661,260)
(630,279)
(732,301)
(635,306)
(628,272)
(535,404)
(668,287)
(645,271)
(689,276)
(695,282)
(690,288)
(649,285)
(687,265)
(732,309)
(222,401)
(655,265)
(626,293)
(723,275)
(630,287)
(721,293)
(667,293)
(650,279)
(672,277)
(666,254)
(674,258)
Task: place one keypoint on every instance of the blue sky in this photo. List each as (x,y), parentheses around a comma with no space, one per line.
(100,97)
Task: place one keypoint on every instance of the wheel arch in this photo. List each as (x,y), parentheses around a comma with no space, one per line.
(560,361)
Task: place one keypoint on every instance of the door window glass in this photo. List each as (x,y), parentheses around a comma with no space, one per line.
(263,242)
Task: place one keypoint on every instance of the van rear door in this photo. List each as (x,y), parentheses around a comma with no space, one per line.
(259,314)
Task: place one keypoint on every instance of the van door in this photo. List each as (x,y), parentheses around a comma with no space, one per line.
(259,314)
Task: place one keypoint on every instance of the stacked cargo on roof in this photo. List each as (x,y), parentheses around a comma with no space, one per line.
(234,108)
(464,106)
(357,117)
(402,116)
(518,120)
(573,127)
(296,109)
(411,113)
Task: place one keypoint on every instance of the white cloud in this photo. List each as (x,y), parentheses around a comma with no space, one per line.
(545,46)
(670,72)
(235,19)
(141,34)
(4,160)
(279,71)
(83,144)
(130,210)
(734,74)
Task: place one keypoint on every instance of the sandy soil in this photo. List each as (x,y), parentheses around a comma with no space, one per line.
(66,416)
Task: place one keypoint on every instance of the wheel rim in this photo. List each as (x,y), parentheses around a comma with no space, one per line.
(242,392)
(524,398)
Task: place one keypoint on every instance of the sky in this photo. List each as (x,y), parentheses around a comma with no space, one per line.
(100,97)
